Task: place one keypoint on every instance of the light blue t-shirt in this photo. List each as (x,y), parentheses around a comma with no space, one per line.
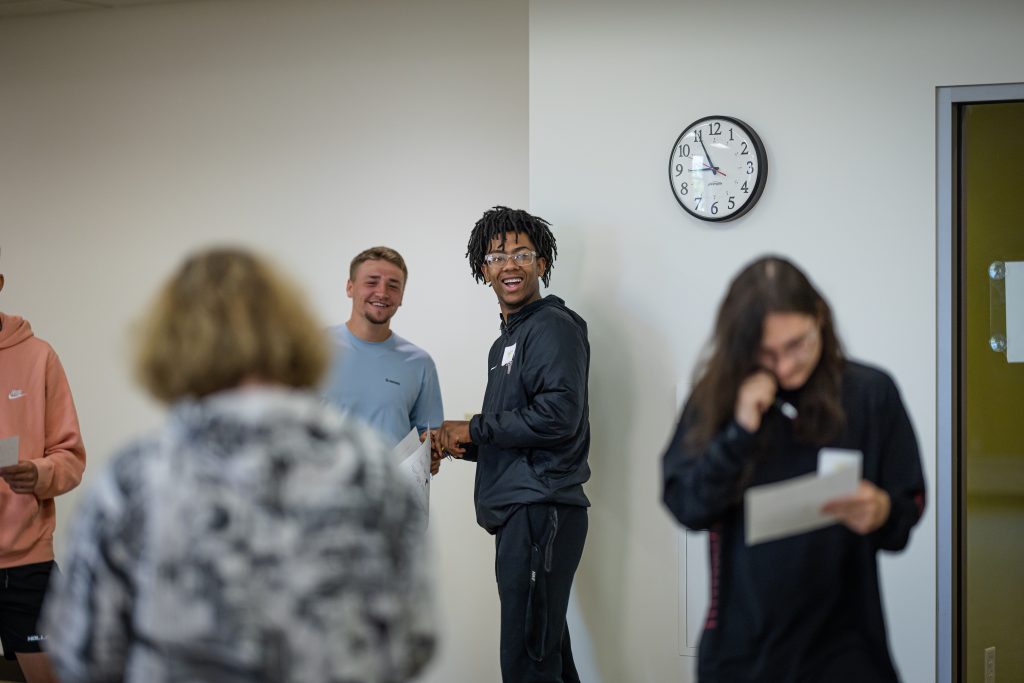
(390,385)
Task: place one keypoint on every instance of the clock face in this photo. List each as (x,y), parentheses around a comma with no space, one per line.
(717,168)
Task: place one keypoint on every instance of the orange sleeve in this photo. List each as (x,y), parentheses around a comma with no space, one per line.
(60,469)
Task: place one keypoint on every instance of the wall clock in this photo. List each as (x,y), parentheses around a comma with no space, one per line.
(717,168)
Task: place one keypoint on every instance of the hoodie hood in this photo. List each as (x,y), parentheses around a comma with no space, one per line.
(14,331)
(550,300)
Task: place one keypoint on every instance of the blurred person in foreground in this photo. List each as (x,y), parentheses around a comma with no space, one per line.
(259,535)
(37,408)
(775,389)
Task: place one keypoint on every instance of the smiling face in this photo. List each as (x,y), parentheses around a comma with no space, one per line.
(790,347)
(376,291)
(515,284)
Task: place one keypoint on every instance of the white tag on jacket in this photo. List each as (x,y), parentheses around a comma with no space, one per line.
(506,359)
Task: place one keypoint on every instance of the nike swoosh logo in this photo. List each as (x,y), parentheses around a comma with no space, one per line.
(15,393)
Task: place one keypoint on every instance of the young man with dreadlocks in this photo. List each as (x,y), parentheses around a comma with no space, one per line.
(530,442)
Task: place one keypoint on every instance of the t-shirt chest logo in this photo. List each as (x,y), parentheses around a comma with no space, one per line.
(391,381)
(15,394)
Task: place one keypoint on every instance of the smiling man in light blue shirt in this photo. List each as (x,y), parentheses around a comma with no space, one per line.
(381,378)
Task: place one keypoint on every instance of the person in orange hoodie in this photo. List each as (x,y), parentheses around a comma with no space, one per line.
(36,409)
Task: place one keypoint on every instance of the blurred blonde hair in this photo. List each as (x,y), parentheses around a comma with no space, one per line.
(224,318)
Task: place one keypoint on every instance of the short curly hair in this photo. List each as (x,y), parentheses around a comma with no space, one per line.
(500,220)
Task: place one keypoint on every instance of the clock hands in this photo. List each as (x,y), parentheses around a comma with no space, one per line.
(714,169)
(710,164)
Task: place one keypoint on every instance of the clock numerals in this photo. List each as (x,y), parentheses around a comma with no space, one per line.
(721,178)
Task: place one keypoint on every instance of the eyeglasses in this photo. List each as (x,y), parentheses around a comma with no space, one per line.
(523,258)
(798,350)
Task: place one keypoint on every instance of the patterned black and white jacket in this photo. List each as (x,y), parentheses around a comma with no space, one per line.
(259,536)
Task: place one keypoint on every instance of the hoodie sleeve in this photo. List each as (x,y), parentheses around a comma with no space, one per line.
(556,361)
(60,469)
(699,486)
(901,475)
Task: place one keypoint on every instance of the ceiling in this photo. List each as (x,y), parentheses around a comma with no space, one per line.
(22,8)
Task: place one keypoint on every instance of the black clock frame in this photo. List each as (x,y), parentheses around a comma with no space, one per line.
(762,165)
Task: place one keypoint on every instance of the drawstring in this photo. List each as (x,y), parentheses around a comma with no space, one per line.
(549,546)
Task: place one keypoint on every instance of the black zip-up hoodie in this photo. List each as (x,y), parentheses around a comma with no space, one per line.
(532,437)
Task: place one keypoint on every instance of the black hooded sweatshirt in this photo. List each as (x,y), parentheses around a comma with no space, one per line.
(532,436)
(807,608)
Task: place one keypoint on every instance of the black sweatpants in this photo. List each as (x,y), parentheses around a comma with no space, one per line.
(536,555)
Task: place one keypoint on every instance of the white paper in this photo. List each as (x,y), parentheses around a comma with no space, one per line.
(9,451)
(793,506)
(831,459)
(408,445)
(415,459)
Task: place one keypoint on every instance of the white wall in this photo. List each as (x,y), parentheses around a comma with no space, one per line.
(843,95)
(309,130)
(314,129)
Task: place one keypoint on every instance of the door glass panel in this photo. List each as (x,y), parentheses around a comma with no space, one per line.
(992,446)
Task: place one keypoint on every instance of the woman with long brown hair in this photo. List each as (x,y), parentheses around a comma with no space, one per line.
(774,389)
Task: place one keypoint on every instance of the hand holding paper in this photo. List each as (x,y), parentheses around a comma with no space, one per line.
(428,437)
(862,512)
(20,476)
(799,505)
(451,437)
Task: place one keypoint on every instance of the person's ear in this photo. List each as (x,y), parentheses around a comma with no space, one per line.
(542,265)
(348,288)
